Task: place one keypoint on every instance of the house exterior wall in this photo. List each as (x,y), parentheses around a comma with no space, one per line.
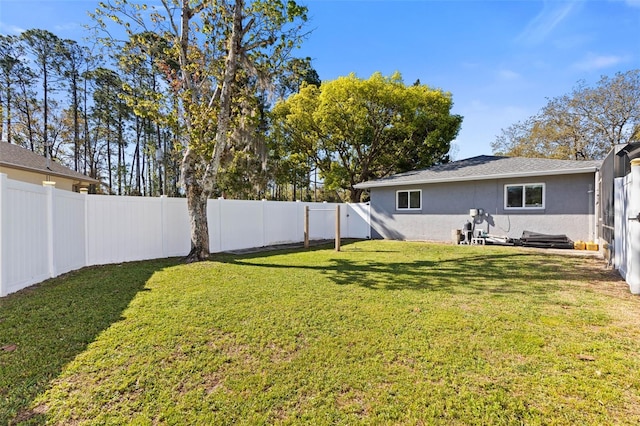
(36,178)
(569,209)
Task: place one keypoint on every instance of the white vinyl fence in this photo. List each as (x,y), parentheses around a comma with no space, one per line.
(45,232)
(627,227)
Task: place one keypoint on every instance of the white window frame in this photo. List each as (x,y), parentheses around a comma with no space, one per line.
(408,191)
(524,196)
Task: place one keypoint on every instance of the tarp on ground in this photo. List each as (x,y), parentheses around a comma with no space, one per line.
(534,239)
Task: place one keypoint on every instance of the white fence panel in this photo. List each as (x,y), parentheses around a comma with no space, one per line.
(283,222)
(633,222)
(322,221)
(242,224)
(24,235)
(100,220)
(123,229)
(69,240)
(633,227)
(176,228)
(215,225)
(621,243)
(358,219)
(46,232)
(627,228)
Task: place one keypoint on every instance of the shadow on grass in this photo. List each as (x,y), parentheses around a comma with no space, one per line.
(496,272)
(44,327)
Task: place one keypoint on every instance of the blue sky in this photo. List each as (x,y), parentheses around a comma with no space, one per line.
(501,59)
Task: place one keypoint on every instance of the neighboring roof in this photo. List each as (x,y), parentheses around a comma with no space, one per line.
(486,167)
(17,157)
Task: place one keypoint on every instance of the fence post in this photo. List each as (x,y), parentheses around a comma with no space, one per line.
(49,187)
(306,227)
(86,228)
(338,227)
(633,212)
(263,210)
(3,191)
(219,223)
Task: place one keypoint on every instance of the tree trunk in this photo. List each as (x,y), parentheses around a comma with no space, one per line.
(108,133)
(45,116)
(76,124)
(197,187)
(197,207)
(120,154)
(9,116)
(85,119)
(159,160)
(356,194)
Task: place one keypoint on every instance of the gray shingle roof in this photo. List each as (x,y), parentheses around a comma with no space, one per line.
(486,167)
(17,157)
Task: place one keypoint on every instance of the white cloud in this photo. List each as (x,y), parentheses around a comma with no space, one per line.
(10,29)
(508,75)
(596,62)
(552,15)
(476,105)
(70,26)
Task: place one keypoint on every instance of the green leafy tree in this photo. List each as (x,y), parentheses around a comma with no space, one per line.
(27,107)
(584,124)
(10,70)
(210,45)
(297,72)
(287,166)
(74,59)
(357,130)
(46,50)
(144,59)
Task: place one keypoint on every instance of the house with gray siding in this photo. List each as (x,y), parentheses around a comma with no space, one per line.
(508,195)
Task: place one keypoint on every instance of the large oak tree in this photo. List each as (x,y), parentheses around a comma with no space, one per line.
(215,55)
(584,124)
(357,130)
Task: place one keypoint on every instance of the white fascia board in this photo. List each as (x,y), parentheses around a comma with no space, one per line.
(82,178)
(367,185)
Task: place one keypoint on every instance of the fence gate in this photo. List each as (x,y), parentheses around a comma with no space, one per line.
(627,227)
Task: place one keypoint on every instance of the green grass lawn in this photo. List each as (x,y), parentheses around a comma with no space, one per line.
(380,333)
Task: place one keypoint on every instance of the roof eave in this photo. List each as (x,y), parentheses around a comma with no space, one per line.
(373,184)
(80,179)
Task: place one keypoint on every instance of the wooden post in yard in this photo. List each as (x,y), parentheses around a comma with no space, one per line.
(338,227)
(306,227)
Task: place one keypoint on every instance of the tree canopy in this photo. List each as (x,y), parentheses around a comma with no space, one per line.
(584,124)
(113,113)
(215,57)
(356,130)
